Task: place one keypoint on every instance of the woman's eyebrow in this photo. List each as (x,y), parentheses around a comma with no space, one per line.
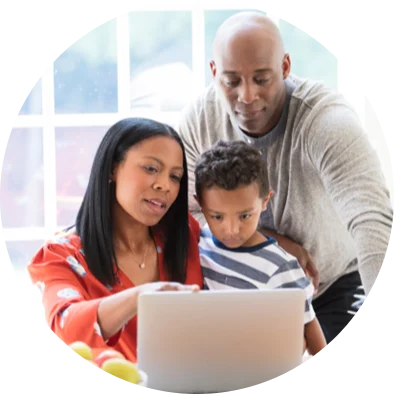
(161,163)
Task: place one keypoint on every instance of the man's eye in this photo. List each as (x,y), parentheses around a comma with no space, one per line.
(261,81)
(231,83)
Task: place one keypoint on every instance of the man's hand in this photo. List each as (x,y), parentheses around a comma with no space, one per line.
(301,254)
(304,258)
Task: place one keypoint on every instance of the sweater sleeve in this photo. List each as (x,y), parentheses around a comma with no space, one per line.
(189,129)
(350,171)
(69,310)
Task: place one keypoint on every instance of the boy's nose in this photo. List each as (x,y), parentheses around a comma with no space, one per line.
(232,228)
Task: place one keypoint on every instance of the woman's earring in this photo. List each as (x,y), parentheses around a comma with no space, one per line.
(110,181)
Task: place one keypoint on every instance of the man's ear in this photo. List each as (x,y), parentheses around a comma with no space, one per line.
(286,66)
(267,198)
(212,65)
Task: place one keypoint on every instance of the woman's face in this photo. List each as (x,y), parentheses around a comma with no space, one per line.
(147,181)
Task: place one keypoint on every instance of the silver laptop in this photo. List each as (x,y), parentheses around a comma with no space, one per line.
(215,341)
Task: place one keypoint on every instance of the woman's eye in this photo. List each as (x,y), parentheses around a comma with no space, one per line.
(176,178)
(150,169)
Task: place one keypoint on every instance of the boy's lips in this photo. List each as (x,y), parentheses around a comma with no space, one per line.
(232,241)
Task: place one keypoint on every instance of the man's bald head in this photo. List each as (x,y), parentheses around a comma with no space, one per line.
(249,68)
(246,28)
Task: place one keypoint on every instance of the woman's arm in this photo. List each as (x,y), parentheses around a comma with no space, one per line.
(71,311)
(116,310)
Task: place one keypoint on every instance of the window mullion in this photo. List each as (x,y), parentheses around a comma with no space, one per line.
(49,151)
(123,64)
(198,49)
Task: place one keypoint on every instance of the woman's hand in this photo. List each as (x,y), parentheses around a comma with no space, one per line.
(117,309)
(165,286)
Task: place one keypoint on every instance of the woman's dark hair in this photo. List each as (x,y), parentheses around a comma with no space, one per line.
(229,165)
(94,219)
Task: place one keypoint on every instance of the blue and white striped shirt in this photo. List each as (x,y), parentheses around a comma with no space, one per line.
(265,265)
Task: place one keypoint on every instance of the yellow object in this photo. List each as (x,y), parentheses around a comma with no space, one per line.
(82,349)
(122,369)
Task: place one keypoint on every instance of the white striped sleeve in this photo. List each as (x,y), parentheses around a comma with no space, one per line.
(291,275)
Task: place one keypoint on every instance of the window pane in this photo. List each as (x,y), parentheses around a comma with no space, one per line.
(213,19)
(86,73)
(22,186)
(75,150)
(33,103)
(160,59)
(309,58)
(20,253)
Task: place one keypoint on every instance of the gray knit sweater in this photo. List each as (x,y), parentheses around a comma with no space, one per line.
(330,194)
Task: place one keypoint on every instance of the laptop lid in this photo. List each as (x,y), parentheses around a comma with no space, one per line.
(215,341)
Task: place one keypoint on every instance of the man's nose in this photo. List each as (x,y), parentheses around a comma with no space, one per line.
(248,93)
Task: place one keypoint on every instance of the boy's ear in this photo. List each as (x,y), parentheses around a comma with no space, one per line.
(196,198)
(267,198)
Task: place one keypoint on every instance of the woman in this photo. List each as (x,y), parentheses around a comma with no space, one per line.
(133,234)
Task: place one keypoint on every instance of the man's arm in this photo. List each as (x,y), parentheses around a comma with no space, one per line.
(189,129)
(351,173)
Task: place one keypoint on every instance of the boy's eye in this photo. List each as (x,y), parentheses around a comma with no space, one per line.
(217,217)
(245,216)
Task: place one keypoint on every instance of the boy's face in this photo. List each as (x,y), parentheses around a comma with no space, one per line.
(233,215)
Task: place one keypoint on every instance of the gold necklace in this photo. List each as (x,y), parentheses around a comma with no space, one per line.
(142,265)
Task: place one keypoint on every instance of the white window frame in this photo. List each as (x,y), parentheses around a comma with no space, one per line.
(48,121)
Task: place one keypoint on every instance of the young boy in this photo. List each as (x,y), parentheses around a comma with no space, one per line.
(232,191)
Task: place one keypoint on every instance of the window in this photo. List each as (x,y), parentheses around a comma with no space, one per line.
(85,75)
(141,64)
(160,64)
(22,180)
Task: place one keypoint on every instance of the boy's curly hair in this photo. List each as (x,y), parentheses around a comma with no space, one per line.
(230,164)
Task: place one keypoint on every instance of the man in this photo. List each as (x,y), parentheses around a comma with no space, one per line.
(331,208)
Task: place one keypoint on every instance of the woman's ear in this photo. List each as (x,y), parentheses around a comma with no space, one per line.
(112,177)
